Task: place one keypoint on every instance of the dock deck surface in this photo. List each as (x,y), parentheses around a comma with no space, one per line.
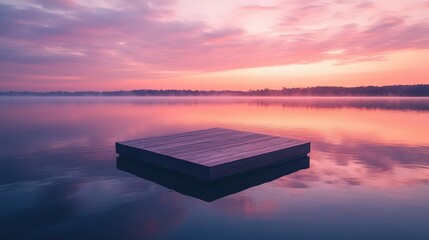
(213,154)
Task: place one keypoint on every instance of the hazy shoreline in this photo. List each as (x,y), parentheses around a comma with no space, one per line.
(421,90)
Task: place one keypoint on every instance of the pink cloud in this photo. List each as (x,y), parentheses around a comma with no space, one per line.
(365,5)
(258,8)
(57,3)
(306,14)
(146,41)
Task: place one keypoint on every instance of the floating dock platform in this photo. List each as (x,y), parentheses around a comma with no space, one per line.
(213,154)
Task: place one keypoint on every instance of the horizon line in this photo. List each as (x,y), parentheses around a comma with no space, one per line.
(212,90)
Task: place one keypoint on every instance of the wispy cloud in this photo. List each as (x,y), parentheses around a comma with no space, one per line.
(145,39)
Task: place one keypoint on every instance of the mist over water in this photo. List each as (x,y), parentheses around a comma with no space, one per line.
(368,176)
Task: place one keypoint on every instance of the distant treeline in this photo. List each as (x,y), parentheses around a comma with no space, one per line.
(394,90)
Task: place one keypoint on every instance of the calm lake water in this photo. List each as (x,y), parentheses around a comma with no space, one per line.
(368,176)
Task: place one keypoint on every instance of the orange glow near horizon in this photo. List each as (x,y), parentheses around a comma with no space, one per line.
(221,45)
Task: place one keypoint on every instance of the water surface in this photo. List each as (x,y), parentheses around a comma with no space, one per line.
(368,175)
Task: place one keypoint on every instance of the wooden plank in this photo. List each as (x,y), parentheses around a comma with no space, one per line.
(213,154)
(180,142)
(164,161)
(238,151)
(174,137)
(256,162)
(210,147)
(171,148)
(248,150)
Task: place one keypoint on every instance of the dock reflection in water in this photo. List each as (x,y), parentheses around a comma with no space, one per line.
(210,191)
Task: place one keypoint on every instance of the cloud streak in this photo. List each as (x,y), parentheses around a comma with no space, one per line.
(146,40)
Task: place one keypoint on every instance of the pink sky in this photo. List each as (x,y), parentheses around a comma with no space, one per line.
(225,44)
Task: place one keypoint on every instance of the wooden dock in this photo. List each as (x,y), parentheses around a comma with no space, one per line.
(213,154)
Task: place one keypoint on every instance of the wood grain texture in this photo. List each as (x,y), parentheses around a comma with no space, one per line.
(213,154)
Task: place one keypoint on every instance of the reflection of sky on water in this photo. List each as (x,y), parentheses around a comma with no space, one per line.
(369,174)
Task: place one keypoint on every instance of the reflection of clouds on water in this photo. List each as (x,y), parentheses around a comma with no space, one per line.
(244,205)
(68,133)
(147,217)
(68,205)
(362,164)
(48,123)
(53,204)
(376,156)
(298,180)
(58,175)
